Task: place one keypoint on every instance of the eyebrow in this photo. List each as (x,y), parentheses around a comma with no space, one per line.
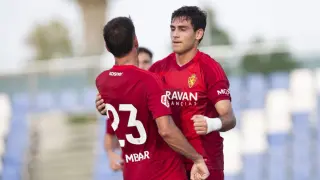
(181,26)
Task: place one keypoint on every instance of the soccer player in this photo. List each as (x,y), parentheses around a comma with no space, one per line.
(197,88)
(139,116)
(145,61)
(145,58)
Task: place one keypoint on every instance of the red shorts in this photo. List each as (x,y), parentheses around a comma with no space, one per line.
(214,175)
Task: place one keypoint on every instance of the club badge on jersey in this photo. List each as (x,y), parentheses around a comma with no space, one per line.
(192,80)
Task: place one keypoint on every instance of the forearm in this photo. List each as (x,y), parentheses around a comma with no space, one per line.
(179,143)
(109,143)
(176,140)
(228,122)
(222,124)
(226,115)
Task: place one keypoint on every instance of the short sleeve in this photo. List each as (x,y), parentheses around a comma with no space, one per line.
(109,129)
(158,103)
(217,82)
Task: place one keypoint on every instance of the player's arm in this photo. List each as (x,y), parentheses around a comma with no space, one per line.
(219,94)
(110,141)
(175,139)
(225,122)
(110,145)
(226,115)
(115,159)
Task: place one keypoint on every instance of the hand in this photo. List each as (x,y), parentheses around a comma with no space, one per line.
(100,106)
(200,124)
(199,170)
(115,161)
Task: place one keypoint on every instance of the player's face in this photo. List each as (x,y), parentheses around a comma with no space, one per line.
(183,37)
(144,61)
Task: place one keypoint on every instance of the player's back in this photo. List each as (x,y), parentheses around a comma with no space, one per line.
(132,110)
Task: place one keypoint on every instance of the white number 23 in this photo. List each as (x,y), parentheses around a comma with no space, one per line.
(132,122)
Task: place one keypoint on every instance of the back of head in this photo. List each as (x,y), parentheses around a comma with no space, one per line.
(119,35)
(197,17)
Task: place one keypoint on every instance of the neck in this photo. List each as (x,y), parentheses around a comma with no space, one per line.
(186,57)
(129,59)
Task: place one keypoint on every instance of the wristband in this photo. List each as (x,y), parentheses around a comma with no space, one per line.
(214,124)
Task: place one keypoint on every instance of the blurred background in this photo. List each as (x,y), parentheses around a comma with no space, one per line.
(52,50)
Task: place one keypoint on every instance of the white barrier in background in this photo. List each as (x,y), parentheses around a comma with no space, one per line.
(253,130)
(278,111)
(302,91)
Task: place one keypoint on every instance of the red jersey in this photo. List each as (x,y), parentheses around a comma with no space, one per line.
(134,98)
(195,88)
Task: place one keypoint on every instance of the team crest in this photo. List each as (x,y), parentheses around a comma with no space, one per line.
(192,80)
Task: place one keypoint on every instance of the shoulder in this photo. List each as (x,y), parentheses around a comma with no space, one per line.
(162,63)
(147,77)
(102,76)
(211,68)
(207,62)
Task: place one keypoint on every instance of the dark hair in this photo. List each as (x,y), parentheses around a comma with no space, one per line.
(118,35)
(145,50)
(197,16)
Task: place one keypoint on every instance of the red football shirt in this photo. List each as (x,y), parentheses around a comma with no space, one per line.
(134,98)
(195,88)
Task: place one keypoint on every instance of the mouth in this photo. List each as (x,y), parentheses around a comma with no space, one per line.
(176,42)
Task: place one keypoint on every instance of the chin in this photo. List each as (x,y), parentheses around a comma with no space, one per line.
(178,50)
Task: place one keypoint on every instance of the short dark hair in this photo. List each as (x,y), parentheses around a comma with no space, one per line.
(197,16)
(118,35)
(145,50)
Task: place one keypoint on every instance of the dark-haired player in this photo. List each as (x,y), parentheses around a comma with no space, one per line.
(197,89)
(140,116)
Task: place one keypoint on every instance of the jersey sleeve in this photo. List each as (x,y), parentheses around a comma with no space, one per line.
(158,103)
(217,82)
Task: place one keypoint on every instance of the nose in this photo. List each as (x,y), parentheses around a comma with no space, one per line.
(175,34)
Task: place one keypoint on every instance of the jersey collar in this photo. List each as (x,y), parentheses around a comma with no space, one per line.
(193,60)
(119,67)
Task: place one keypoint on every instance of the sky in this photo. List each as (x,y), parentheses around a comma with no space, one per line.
(293,20)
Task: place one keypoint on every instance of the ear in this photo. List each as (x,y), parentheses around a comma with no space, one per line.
(199,34)
(135,42)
